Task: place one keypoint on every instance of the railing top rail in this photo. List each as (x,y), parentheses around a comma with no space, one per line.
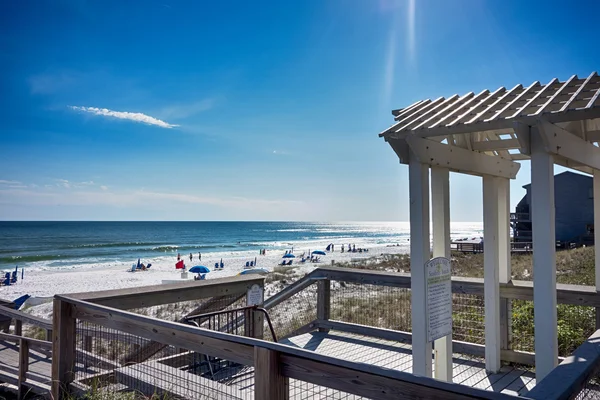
(241,349)
(25,317)
(146,296)
(568,378)
(33,343)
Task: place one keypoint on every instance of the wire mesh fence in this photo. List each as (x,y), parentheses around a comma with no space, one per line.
(591,389)
(293,313)
(112,361)
(306,390)
(468,314)
(378,306)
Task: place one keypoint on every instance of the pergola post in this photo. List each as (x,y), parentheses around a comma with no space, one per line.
(419,254)
(440,204)
(597,236)
(491,271)
(544,256)
(505,270)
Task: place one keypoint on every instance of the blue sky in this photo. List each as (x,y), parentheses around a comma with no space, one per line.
(244,110)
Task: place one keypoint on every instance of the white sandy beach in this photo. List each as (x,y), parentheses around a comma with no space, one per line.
(83,278)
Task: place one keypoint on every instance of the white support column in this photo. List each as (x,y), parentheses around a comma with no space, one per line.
(419,254)
(504,264)
(544,256)
(440,204)
(597,236)
(491,271)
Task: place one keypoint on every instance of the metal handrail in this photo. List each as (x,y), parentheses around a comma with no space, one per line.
(191,318)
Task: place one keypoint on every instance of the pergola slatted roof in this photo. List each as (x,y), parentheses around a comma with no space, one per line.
(490,117)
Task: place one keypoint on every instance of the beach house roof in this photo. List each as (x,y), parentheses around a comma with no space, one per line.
(497,122)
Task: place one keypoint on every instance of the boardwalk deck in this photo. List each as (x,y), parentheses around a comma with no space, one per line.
(237,382)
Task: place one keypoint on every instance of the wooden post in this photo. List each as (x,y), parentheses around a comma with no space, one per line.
(323,301)
(597,237)
(440,204)
(491,270)
(419,254)
(23,367)
(87,343)
(269,383)
(18,327)
(505,271)
(544,256)
(63,348)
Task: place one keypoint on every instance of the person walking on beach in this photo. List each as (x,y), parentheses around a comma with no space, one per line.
(178,257)
(199,256)
(342,248)
(191,257)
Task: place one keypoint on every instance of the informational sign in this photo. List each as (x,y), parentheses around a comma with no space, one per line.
(438,275)
(254,296)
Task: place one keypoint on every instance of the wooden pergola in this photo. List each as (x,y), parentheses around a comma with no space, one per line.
(485,134)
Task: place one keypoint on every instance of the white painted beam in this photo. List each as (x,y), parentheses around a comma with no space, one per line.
(523,136)
(461,160)
(440,203)
(544,256)
(565,144)
(419,254)
(504,144)
(504,230)
(491,271)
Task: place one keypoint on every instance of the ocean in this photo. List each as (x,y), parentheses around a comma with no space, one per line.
(46,245)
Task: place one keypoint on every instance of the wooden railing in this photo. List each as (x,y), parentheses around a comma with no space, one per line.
(517,290)
(571,376)
(21,317)
(25,344)
(274,364)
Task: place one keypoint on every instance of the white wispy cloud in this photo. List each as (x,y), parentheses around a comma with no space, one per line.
(8,182)
(131,116)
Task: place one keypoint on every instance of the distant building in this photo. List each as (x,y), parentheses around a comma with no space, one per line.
(574,206)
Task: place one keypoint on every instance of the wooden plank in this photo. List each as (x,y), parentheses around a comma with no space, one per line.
(63,349)
(151,348)
(223,345)
(33,343)
(311,326)
(387,334)
(323,299)
(147,296)
(23,367)
(291,290)
(25,317)
(36,387)
(356,378)
(161,381)
(458,346)
(269,382)
(367,277)
(570,375)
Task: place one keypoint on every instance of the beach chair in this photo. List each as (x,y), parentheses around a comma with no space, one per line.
(6,281)
(221,265)
(252,263)
(290,262)
(247,264)
(13,277)
(133,267)
(216,265)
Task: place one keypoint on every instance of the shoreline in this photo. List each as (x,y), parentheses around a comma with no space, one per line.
(83,278)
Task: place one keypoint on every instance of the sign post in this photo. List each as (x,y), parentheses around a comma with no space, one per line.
(438,275)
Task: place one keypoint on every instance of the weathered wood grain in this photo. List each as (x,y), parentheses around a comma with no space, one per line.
(269,382)
(568,378)
(147,296)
